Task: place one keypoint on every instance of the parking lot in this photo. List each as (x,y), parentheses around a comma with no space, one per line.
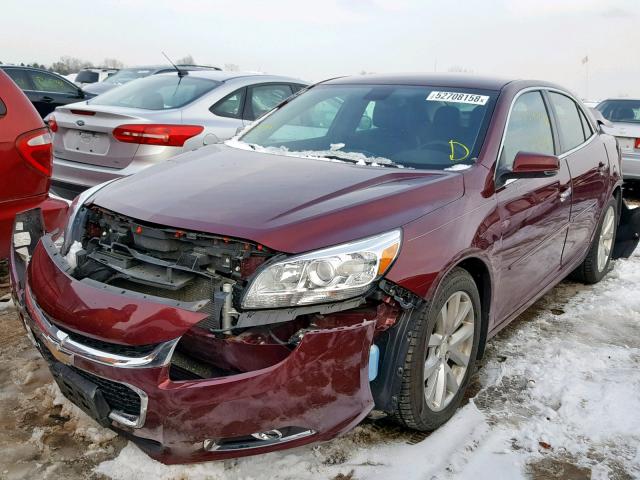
(558,409)
(339,240)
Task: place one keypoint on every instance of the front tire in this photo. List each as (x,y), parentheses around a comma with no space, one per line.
(596,265)
(443,346)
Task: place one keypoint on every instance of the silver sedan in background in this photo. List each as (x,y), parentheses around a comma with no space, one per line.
(624,115)
(154,118)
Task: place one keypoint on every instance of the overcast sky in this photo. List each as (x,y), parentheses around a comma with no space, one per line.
(545,39)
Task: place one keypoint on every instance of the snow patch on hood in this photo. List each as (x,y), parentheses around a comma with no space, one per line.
(458,167)
(335,148)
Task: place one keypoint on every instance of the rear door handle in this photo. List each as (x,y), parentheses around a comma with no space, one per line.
(47,99)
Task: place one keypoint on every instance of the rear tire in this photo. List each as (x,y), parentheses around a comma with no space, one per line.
(441,343)
(598,260)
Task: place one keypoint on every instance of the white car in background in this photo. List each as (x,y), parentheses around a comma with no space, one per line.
(87,76)
(146,121)
(624,115)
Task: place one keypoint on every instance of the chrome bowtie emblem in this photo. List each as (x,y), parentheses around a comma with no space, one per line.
(80,123)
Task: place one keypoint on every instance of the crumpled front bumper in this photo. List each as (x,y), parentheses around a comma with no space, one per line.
(319,391)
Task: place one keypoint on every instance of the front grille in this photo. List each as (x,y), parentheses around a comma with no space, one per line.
(114,348)
(118,396)
(196,290)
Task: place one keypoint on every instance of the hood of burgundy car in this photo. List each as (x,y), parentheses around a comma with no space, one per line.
(287,203)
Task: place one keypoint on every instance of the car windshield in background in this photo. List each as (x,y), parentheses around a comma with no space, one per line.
(627,111)
(157,92)
(87,76)
(128,74)
(383,125)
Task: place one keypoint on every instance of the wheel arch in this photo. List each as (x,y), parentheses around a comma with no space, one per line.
(393,342)
(481,275)
(480,270)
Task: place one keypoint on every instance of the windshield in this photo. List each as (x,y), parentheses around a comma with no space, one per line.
(627,111)
(384,125)
(128,74)
(157,92)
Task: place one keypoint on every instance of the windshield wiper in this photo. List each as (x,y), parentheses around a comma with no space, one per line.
(347,158)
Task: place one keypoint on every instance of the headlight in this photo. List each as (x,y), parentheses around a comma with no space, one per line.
(72,229)
(330,274)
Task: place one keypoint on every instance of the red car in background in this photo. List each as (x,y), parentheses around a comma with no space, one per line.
(354,249)
(25,163)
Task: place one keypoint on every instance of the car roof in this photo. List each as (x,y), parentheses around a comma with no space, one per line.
(426,79)
(167,66)
(4,67)
(99,69)
(223,76)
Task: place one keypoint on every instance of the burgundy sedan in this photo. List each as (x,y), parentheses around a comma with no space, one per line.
(355,249)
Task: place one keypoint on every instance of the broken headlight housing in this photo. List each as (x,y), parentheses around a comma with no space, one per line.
(331,274)
(73,228)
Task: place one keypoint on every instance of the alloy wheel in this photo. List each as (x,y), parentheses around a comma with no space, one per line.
(449,351)
(605,242)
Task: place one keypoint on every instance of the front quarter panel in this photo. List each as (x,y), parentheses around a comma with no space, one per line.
(436,242)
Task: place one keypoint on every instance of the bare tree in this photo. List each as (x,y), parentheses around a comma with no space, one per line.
(112,63)
(188,60)
(231,67)
(67,65)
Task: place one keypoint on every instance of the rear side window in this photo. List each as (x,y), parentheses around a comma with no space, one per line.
(3,108)
(20,77)
(265,97)
(529,129)
(87,76)
(45,82)
(157,92)
(569,121)
(586,126)
(231,105)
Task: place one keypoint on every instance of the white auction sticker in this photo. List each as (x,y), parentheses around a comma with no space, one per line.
(458,97)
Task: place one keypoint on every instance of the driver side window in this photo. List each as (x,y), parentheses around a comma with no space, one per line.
(45,82)
(529,129)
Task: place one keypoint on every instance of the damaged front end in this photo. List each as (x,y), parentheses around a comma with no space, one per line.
(145,328)
(206,274)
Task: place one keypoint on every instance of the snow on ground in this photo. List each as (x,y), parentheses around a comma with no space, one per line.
(6,302)
(559,397)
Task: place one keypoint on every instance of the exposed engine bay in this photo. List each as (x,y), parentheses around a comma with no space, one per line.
(192,268)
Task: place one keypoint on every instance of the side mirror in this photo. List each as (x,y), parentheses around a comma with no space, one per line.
(531,165)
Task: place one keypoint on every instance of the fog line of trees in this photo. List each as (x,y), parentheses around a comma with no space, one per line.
(67,64)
